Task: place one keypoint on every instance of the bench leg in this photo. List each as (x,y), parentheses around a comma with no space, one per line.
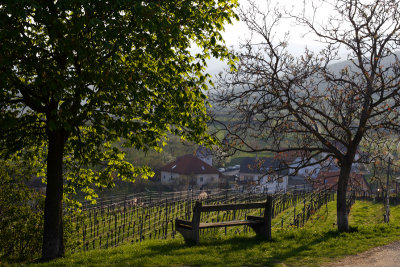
(264,229)
(189,235)
(261,230)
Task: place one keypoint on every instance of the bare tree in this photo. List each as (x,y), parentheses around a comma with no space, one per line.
(313,104)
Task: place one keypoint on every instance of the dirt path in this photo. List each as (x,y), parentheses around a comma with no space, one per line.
(385,256)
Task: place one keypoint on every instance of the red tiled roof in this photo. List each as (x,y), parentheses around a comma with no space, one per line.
(189,164)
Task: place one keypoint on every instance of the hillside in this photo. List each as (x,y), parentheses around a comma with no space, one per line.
(315,244)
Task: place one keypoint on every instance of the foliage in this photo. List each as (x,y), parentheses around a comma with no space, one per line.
(99,72)
(21,209)
(175,147)
(78,76)
(109,71)
(21,214)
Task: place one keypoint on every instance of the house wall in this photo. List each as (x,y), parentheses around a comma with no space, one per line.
(169,178)
(205,179)
(249,176)
(274,184)
(263,182)
(309,171)
(330,180)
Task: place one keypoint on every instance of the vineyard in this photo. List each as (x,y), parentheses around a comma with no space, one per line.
(137,217)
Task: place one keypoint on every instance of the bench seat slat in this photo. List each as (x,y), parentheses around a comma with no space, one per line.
(252,217)
(229,223)
(189,227)
(225,207)
(183,222)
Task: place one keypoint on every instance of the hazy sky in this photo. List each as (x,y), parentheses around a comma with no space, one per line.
(237,31)
(297,43)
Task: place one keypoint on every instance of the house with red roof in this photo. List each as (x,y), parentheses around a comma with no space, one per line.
(329,178)
(189,171)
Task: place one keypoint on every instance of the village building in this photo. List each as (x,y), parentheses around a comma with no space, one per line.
(264,174)
(297,183)
(306,174)
(302,169)
(205,154)
(328,178)
(308,168)
(189,172)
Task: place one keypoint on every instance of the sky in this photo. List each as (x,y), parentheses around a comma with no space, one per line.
(238,32)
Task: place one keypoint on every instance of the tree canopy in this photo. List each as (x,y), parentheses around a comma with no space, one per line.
(78,76)
(311,104)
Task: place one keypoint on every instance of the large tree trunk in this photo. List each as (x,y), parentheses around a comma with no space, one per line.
(53,243)
(342,211)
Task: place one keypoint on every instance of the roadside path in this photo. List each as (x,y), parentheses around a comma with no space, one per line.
(385,256)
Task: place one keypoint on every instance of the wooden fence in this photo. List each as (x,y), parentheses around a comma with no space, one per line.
(139,217)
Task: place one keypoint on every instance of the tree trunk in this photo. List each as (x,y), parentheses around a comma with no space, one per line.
(342,212)
(53,243)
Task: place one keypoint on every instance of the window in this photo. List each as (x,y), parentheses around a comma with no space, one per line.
(201,179)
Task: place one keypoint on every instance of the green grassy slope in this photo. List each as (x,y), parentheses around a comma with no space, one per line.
(317,243)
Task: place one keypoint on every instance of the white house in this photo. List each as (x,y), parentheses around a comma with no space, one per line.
(265,174)
(189,171)
(307,171)
(273,183)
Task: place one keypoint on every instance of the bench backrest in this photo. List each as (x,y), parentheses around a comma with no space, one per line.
(226,207)
(199,208)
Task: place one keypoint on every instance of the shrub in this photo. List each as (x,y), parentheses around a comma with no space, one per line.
(21,214)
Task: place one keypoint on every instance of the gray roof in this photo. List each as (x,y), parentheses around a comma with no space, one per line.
(203,152)
(262,166)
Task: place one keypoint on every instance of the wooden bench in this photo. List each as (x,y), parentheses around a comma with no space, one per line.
(260,224)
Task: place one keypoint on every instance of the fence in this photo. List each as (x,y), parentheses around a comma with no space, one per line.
(138,217)
(377,197)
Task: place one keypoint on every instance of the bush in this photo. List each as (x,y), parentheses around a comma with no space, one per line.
(21,215)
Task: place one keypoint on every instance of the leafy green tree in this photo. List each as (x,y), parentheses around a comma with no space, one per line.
(77,76)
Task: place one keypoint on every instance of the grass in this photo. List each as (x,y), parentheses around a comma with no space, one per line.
(315,244)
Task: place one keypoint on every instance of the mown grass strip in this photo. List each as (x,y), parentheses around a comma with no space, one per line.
(315,244)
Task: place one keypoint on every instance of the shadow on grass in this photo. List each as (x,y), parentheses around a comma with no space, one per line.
(239,251)
(295,247)
(237,242)
(296,252)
